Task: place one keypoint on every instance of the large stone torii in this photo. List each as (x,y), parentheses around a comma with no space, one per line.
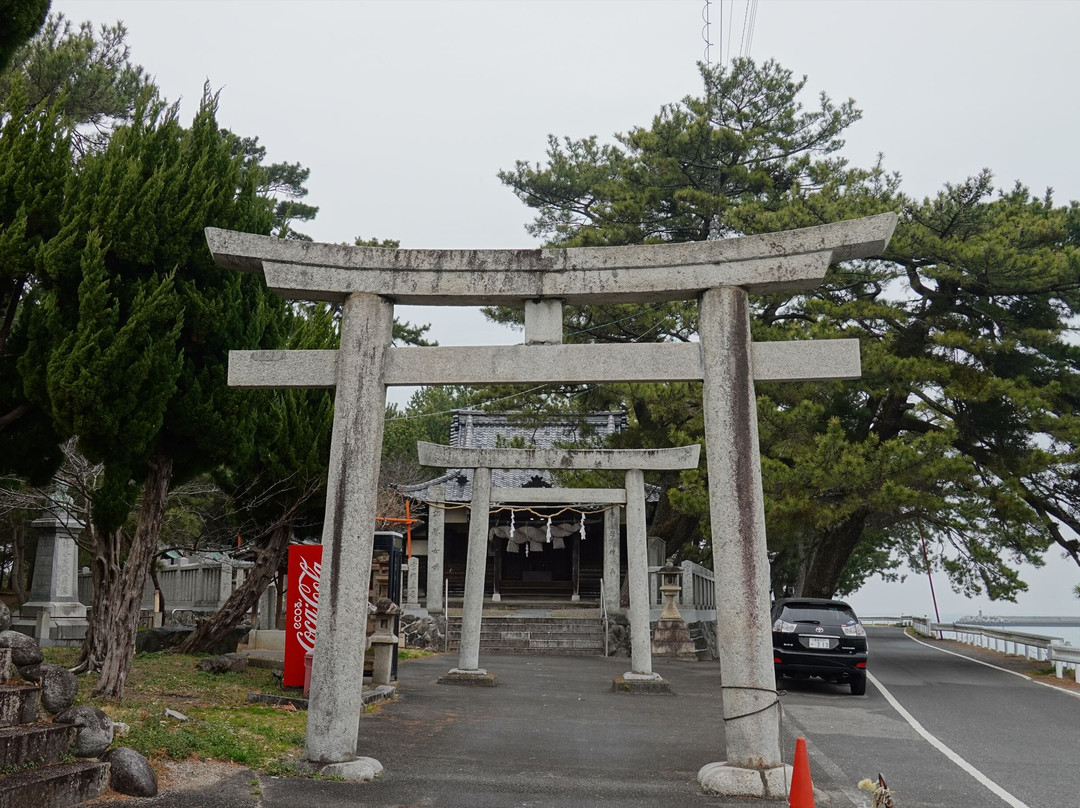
(368,281)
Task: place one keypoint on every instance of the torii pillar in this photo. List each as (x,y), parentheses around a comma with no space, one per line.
(719,274)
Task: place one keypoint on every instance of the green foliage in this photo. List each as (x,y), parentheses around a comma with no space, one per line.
(282,182)
(131,341)
(962,429)
(426,417)
(89,73)
(22,19)
(222,724)
(35,164)
(748,140)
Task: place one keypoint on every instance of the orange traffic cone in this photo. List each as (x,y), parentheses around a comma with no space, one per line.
(802,787)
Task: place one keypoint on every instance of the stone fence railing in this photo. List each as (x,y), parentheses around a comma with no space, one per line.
(697,601)
(192,589)
(1021,643)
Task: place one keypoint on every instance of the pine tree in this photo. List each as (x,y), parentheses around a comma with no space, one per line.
(962,428)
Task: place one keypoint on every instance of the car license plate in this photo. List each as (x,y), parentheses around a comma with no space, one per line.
(818,642)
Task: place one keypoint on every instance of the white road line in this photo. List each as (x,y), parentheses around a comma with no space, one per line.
(1008,798)
(1072,693)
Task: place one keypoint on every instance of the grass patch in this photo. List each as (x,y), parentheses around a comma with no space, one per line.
(413,653)
(222,724)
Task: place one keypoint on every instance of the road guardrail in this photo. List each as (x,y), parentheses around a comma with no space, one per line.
(1023,643)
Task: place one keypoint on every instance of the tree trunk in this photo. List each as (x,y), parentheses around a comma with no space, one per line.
(160,602)
(118,586)
(825,563)
(213,630)
(279,601)
(18,564)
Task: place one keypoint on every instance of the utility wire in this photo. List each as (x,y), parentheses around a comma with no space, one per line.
(705,32)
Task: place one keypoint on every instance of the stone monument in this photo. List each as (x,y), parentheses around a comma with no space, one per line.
(54,615)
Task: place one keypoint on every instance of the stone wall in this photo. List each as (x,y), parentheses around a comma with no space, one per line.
(427,632)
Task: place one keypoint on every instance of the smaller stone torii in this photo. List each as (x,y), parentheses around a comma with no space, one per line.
(634,462)
(369,281)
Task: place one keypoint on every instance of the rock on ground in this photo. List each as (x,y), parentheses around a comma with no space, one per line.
(93,729)
(24,650)
(236,663)
(59,687)
(130,773)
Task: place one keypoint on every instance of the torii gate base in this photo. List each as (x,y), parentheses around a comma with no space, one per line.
(476,678)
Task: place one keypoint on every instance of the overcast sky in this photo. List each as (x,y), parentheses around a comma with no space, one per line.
(405,111)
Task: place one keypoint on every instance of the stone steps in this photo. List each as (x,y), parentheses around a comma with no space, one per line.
(40,744)
(60,785)
(535,635)
(33,752)
(19,704)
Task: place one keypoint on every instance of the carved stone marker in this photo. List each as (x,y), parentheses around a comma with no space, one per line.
(54,591)
(367,281)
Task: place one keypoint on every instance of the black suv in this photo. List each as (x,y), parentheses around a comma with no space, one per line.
(817,637)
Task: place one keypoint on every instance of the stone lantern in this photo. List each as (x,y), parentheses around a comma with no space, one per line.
(383,641)
(671,637)
(670,587)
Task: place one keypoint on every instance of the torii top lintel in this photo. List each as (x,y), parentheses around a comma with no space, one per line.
(462,457)
(790,260)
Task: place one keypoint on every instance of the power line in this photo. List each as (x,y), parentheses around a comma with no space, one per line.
(705,32)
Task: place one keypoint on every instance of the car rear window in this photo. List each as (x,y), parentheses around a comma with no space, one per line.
(818,614)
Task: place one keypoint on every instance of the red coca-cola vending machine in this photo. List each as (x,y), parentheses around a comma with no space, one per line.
(305,572)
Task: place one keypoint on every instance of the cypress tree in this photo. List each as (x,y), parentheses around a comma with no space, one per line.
(129,347)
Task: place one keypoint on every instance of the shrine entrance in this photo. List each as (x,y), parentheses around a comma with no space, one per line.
(368,281)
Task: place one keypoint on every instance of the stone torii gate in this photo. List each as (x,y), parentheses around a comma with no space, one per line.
(631,461)
(367,281)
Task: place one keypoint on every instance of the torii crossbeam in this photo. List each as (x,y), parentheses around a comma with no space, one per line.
(367,281)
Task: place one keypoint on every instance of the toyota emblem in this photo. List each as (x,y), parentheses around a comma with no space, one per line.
(819,630)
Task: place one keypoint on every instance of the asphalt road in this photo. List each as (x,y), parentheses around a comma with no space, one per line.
(990,737)
(552,734)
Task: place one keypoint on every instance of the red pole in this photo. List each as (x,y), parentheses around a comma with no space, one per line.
(930,578)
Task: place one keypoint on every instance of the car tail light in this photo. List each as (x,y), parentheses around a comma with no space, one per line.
(860,664)
(782,625)
(777,660)
(855,630)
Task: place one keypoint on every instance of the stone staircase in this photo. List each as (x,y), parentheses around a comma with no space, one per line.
(33,773)
(564,636)
(702,649)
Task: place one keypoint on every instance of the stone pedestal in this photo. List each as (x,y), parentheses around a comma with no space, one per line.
(384,642)
(671,639)
(472,678)
(54,615)
(652,684)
